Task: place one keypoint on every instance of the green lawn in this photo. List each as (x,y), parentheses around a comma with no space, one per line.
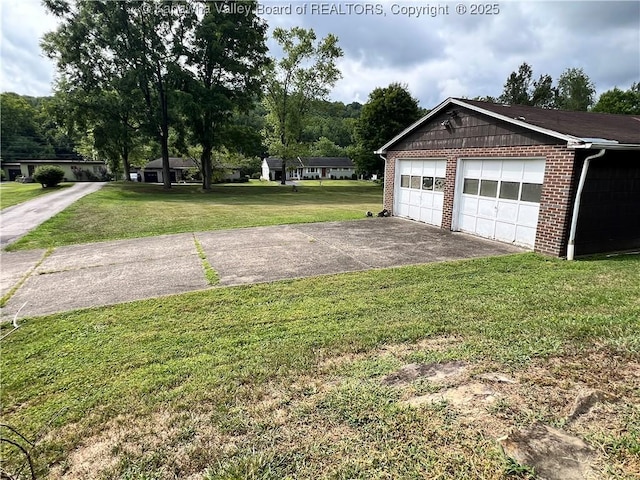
(12,193)
(122,210)
(283,380)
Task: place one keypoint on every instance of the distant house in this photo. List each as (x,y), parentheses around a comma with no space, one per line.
(178,167)
(558,182)
(74,170)
(304,168)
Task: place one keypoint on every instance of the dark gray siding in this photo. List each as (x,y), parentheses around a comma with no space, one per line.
(609,218)
(470,130)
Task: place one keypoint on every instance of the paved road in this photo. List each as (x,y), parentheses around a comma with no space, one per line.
(18,220)
(105,273)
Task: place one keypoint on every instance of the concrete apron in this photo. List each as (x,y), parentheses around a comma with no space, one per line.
(113,272)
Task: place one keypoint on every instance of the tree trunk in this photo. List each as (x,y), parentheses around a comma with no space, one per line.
(125,163)
(207,167)
(164,130)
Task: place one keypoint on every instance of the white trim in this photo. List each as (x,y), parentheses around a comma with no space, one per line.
(457,190)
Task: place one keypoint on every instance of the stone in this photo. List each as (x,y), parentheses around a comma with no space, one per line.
(553,453)
(470,394)
(432,372)
(496,377)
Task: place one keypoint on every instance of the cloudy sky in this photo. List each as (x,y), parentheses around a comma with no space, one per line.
(439,49)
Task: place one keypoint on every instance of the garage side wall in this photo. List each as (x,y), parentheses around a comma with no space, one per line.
(557,189)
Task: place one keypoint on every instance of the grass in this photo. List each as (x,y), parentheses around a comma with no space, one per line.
(282,380)
(12,193)
(122,210)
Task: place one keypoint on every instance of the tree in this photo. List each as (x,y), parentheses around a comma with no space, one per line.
(48,175)
(387,112)
(324,147)
(306,72)
(575,90)
(100,44)
(227,60)
(620,101)
(521,89)
(21,133)
(107,123)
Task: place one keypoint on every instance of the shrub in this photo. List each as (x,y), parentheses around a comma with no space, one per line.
(3,176)
(48,175)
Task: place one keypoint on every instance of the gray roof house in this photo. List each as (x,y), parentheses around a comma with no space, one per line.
(152,171)
(562,183)
(309,168)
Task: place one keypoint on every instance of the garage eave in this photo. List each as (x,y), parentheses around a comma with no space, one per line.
(461,103)
(603,146)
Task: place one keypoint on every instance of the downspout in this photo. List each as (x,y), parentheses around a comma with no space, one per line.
(384,179)
(571,247)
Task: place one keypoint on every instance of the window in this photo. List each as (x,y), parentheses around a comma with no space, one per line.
(427,183)
(312,170)
(415,182)
(471,186)
(509,190)
(404,181)
(488,188)
(438,185)
(531,192)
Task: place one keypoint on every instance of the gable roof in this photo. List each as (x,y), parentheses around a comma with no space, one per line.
(313,162)
(576,128)
(174,162)
(182,163)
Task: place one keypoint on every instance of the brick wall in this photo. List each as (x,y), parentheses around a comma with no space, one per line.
(557,190)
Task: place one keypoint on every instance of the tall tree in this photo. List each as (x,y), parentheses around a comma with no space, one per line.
(21,134)
(227,60)
(521,89)
(100,42)
(620,101)
(306,72)
(575,90)
(387,112)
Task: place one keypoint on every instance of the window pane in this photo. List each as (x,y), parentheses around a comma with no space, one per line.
(488,188)
(415,182)
(404,181)
(427,183)
(438,186)
(509,190)
(531,192)
(471,186)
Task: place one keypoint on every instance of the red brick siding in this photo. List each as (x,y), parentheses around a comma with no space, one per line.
(555,203)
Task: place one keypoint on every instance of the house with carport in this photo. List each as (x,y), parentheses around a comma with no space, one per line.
(561,183)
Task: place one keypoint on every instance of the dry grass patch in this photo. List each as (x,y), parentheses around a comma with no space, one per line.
(335,423)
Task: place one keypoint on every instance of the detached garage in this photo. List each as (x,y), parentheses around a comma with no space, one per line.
(558,182)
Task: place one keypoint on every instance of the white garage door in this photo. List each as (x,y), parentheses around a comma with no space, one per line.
(500,199)
(420,190)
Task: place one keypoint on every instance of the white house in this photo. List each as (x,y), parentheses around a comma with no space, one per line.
(307,168)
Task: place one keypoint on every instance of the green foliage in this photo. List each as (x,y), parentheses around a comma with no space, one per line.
(575,90)
(387,112)
(48,175)
(324,147)
(620,101)
(520,89)
(21,131)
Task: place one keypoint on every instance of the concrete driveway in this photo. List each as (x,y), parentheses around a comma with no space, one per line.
(119,271)
(19,219)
